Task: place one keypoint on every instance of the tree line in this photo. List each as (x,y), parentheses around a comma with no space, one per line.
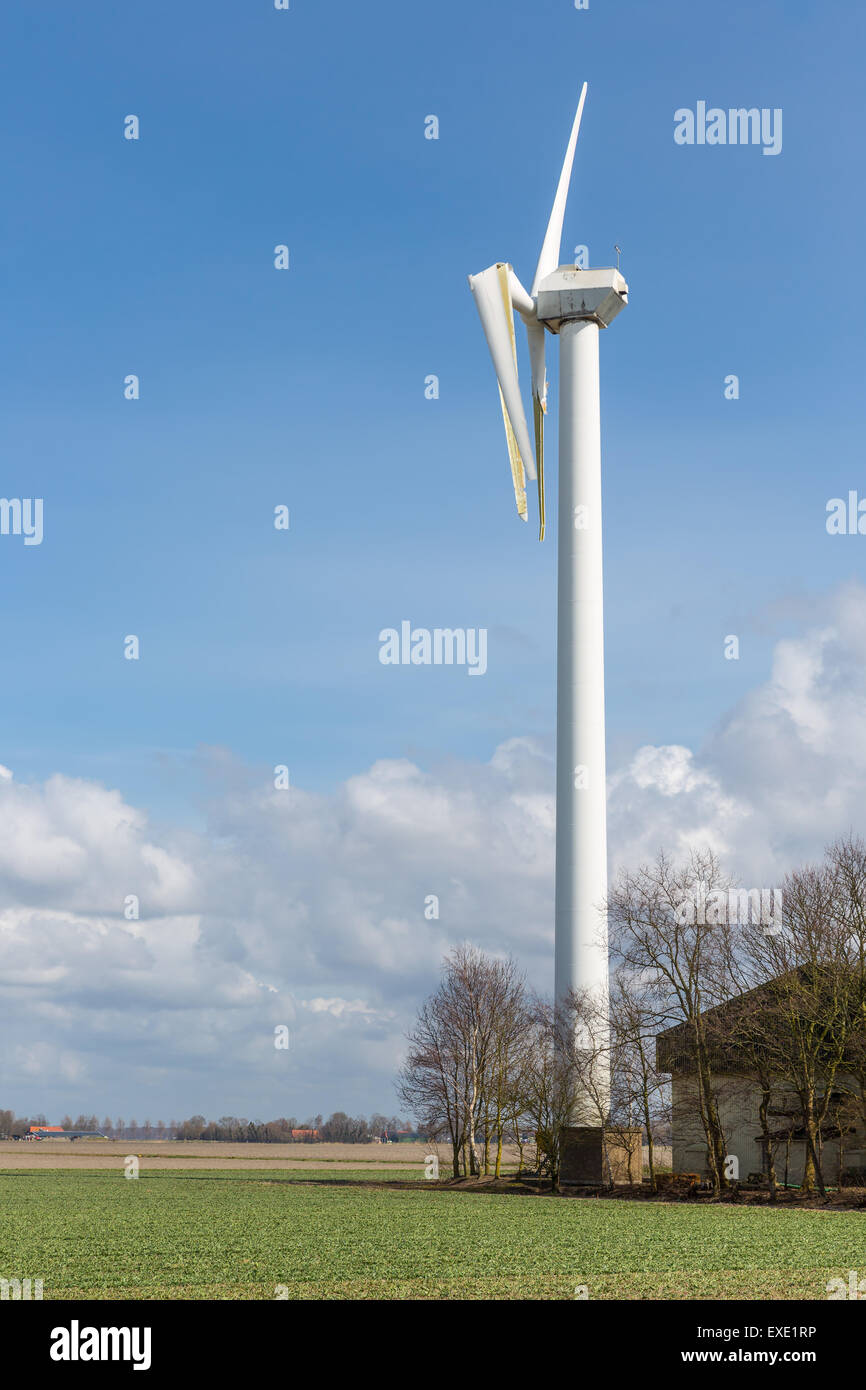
(490,1062)
(338,1128)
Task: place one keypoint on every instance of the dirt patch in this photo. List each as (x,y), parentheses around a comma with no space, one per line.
(171,1153)
(174,1153)
(845,1199)
(669,1190)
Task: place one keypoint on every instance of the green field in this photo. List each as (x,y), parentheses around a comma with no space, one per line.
(237,1235)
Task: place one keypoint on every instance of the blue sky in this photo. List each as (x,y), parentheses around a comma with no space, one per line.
(306,388)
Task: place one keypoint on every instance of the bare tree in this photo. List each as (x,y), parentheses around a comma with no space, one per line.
(666,930)
(640,1093)
(506,1024)
(430,1083)
(459,1076)
(809,999)
(847,857)
(553,1069)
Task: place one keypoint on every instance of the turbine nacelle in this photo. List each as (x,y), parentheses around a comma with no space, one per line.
(570,293)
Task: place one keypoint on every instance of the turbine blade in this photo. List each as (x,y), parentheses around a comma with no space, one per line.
(535,333)
(551,246)
(492,294)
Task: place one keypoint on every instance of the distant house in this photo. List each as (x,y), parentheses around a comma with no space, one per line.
(303,1136)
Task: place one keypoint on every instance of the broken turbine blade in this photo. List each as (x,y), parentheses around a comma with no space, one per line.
(491,291)
(535,333)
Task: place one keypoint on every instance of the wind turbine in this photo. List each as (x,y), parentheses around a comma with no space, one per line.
(573,304)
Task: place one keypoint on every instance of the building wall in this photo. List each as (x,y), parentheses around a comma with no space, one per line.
(738,1101)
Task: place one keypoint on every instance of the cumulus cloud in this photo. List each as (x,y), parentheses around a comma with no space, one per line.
(331,914)
(290,908)
(782,774)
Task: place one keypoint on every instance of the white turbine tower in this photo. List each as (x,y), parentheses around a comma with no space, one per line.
(574,304)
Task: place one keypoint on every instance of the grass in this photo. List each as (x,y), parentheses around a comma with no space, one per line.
(233,1235)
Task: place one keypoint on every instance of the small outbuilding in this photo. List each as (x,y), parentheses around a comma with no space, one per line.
(739,1094)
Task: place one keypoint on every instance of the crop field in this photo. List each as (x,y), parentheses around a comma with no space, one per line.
(266,1234)
(171,1153)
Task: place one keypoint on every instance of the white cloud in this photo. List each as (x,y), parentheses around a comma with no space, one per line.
(308,910)
(338,1007)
